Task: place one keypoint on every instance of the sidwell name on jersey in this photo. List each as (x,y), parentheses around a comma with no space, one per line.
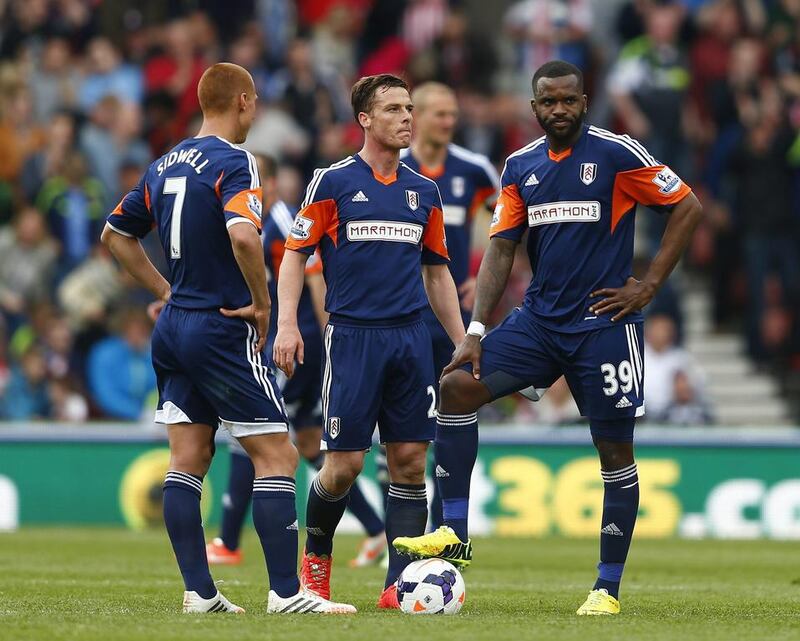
(564,212)
(190,156)
(386,230)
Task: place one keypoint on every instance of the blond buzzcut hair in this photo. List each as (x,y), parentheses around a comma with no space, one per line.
(220,85)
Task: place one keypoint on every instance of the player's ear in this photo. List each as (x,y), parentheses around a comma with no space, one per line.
(585,103)
(533,105)
(364,119)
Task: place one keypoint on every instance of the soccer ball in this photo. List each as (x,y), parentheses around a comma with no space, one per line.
(430,586)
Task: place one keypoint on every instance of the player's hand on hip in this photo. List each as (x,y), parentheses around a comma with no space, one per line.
(466,292)
(632,297)
(257,316)
(288,345)
(468,351)
(154,309)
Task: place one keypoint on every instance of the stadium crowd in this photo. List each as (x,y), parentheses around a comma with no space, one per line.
(92,90)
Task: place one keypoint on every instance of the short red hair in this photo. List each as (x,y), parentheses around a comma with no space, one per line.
(220,85)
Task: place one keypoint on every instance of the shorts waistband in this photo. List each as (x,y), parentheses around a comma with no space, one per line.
(397,321)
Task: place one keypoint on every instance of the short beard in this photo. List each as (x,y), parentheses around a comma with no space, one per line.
(567,135)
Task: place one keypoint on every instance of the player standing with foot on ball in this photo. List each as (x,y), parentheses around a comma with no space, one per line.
(205,198)
(576,188)
(380,228)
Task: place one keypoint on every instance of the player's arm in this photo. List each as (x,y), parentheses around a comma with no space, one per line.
(288,343)
(130,254)
(316,286)
(685,212)
(130,221)
(249,254)
(509,222)
(443,297)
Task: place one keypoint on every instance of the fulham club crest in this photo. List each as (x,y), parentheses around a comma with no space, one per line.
(588,172)
(334,426)
(412,198)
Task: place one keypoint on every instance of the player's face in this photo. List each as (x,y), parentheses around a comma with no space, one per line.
(560,107)
(247,113)
(436,123)
(389,121)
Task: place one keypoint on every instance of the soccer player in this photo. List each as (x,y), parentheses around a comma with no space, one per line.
(576,188)
(466,182)
(301,393)
(380,229)
(205,198)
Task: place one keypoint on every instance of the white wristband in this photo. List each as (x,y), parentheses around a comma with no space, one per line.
(476,329)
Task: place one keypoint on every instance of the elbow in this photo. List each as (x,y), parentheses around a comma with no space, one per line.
(106,236)
(244,238)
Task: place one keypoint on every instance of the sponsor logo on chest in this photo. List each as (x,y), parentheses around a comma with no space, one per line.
(385,230)
(567,211)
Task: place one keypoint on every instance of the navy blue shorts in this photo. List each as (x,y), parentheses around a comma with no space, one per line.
(604,367)
(209,372)
(377,374)
(301,392)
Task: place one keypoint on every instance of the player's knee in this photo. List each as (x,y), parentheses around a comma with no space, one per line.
(614,455)
(340,472)
(407,463)
(455,395)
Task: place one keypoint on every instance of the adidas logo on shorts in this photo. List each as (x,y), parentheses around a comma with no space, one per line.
(623,403)
(360,197)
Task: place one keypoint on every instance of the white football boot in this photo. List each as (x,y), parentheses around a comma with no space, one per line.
(193,603)
(305,602)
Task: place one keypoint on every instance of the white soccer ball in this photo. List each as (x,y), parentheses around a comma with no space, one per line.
(431,586)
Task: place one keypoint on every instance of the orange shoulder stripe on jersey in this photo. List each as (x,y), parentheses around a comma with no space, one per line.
(146,197)
(510,211)
(318,219)
(647,186)
(247,203)
(481,196)
(434,236)
(218,185)
(118,211)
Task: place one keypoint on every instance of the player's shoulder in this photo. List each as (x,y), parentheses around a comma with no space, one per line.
(421,183)
(280,218)
(626,152)
(326,181)
(524,155)
(470,158)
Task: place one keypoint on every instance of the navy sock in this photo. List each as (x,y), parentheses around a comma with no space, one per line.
(364,512)
(323,513)
(275,518)
(237,499)
(620,506)
(406,515)
(182,493)
(435,518)
(382,474)
(456,449)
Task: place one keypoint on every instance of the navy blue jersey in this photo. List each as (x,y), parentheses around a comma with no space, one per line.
(276,229)
(192,194)
(466,181)
(579,205)
(374,232)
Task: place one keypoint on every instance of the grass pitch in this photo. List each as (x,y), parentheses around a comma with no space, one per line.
(101,584)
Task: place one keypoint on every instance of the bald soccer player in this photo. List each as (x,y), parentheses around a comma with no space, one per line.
(204,196)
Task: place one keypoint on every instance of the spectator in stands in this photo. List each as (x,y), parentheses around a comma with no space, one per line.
(25,397)
(54,80)
(75,204)
(49,161)
(663,360)
(90,290)
(108,75)
(66,403)
(28,256)
(127,355)
(686,406)
(20,134)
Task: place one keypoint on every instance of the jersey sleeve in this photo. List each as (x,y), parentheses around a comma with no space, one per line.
(487,186)
(132,216)
(239,190)
(510,218)
(318,216)
(434,241)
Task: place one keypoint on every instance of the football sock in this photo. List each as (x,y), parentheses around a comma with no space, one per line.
(236,500)
(358,504)
(455,449)
(435,519)
(382,474)
(323,513)
(275,518)
(182,493)
(406,515)
(620,506)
